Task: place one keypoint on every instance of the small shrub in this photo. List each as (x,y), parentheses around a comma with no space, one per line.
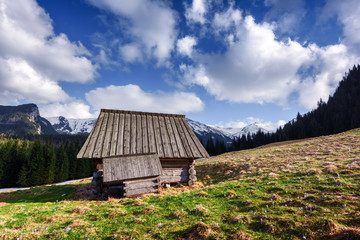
(231,193)
(149,209)
(202,194)
(117,213)
(81,210)
(199,231)
(332,169)
(314,171)
(239,219)
(240,236)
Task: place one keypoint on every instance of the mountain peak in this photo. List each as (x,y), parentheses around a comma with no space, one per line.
(22,120)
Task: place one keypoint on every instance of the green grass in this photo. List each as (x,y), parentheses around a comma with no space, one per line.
(307,189)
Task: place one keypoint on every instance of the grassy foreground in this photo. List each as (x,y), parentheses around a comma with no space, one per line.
(306,189)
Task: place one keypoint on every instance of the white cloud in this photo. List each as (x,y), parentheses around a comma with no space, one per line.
(19,81)
(185,45)
(330,64)
(348,13)
(131,53)
(151,25)
(257,67)
(33,58)
(74,109)
(287,14)
(224,21)
(196,12)
(132,97)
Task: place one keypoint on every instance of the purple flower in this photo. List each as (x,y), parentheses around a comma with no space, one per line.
(200,219)
(344,204)
(68,229)
(216,224)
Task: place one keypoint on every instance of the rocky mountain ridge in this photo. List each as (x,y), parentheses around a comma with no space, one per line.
(23,120)
(203,131)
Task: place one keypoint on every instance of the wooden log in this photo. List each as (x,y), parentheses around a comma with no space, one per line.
(192,171)
(140,191)
(193,177)
(175,172)
(141,185)
(141,180)
(173,179)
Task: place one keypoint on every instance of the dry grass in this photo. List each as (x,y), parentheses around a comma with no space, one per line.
(81,210)
(200,231)
(314,171)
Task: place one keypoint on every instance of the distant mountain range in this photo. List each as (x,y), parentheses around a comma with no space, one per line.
(23,120)
(203,131)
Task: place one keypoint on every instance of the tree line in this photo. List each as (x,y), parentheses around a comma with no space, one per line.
(340,113)
(29,163)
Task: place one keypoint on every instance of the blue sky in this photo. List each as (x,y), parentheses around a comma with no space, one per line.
(228,63)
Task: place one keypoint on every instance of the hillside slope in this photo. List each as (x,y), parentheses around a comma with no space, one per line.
(23,120)
(307,189)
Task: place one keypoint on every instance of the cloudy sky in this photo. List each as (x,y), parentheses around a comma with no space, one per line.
(219,62)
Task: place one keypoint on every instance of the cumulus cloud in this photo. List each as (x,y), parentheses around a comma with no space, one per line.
(287,14)
(330,64)
(196,12)
(33,58)
(20,81)
(74,109)
(257,67)
(151,25)
(348,13)
(132,97)
(131,53)
(185,45)
(224,21)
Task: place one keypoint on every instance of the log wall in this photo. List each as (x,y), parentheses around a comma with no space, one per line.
(140,186)
(177,171)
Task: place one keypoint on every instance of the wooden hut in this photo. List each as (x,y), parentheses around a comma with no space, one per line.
(140,150)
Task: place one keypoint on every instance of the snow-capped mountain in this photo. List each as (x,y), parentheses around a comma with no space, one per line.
(203,131)
(72,126)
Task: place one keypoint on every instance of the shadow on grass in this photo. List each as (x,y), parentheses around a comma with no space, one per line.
(51,193)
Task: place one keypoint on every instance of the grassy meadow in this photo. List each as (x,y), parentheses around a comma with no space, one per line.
(306,189)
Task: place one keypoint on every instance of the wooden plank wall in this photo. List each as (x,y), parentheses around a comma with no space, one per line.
(130,167)
(175,171)
(141,186)
(123,132)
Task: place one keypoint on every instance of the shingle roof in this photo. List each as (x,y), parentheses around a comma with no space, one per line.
(130,167)
(118,133)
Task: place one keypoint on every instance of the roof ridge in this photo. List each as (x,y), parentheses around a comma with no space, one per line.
(142,113)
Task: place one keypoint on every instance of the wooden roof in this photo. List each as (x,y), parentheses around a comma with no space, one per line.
(130,167)
(118,133)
